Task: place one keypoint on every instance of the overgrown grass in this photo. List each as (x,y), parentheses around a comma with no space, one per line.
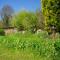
(28,47)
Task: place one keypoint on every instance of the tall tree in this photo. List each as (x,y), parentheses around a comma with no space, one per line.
(51,11)
(6,14)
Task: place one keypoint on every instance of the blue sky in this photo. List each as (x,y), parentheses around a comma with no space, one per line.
(18,5)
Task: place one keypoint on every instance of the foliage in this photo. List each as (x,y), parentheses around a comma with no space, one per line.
(2,32)
(57,48)
(40,20)
(1,24)
(51,11)
(24,20)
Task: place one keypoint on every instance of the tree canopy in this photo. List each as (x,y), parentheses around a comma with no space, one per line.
(6,14)
(25,20)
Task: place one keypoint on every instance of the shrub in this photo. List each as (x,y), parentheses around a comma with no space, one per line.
(2,32)
(57,48)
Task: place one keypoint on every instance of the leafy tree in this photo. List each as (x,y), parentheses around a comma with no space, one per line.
(6,14)
(51,11)
(19,20)
(25,20)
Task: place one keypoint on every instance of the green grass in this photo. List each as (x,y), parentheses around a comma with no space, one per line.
(27,47)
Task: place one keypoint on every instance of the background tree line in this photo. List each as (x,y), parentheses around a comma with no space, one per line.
(23,20)
(48,19)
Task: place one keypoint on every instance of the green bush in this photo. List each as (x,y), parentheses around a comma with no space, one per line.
(57,46)
(57,49)
(2,32)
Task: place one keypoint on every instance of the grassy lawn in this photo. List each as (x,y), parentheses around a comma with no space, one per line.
(27,47)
